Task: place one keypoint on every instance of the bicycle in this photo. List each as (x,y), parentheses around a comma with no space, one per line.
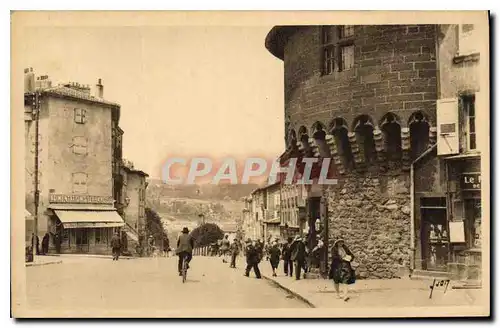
(184,268)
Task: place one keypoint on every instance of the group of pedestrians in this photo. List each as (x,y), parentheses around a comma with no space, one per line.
(44,249)
(296,259)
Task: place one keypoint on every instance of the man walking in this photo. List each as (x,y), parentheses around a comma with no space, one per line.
(45,244)
(235,250)
(253,259)
(116,246)
(298,255)
(287,261)
(35,243)
(225,248)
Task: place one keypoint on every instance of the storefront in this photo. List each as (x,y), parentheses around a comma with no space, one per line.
(465,219)
(82,225)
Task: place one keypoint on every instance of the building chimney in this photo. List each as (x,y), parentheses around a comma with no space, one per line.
(99,89)
(29,80)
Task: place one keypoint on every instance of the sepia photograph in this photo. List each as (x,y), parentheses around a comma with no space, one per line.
(250,164)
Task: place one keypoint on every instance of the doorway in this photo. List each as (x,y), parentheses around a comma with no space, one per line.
(434,234)
(82,240)
(314,214)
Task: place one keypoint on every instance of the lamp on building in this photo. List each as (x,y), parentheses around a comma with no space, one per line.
(127,201)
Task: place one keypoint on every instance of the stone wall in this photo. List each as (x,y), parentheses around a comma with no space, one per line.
(372,214)
(394,70)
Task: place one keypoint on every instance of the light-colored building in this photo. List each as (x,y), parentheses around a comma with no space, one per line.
(134,199)
(396,108)
(75,161)
(462,104)
(230,229)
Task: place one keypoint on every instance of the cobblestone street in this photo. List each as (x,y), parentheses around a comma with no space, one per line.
(87,284)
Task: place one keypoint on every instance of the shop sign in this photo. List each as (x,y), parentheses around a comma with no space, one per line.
(471,181)
(80,199)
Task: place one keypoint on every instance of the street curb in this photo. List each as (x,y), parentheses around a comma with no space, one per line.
(95,257)
(297,295)
(41,264)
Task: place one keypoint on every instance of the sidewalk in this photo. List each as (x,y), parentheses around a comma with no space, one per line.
(44,260)
(321,293)
(65,258)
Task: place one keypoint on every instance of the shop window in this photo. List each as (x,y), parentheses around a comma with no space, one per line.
(79,180)
(469,110)
(80,115)
(338,48)
(98,236)
(473,222)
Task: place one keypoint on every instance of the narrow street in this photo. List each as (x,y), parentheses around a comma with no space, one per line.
(149,283)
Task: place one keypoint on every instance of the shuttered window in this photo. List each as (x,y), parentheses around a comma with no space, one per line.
(80,115)
(80,145)
(447,129)
(79,183)
(468,103)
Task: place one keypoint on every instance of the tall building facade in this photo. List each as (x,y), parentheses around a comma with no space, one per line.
(134,197)
(364,96)
(69,163)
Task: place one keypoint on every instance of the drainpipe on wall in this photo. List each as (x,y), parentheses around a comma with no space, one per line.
(412,204)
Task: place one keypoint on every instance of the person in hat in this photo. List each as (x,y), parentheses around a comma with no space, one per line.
(185,246)
(116,246)
(287,257)
(298,255)
(253,258)
(235,250)
(340,270)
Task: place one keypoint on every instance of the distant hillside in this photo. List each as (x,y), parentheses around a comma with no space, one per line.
(181,205)
(207,191)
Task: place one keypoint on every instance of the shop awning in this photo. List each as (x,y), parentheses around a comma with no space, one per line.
(89,219)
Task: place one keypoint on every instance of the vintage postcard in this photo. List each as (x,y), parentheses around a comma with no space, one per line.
(250,164)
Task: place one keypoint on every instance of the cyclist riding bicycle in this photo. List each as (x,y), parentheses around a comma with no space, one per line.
(185,245)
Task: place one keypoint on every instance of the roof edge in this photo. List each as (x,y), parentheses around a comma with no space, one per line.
(276,39)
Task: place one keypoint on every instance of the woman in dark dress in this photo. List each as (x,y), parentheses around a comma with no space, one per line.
(274,257)
(340,270)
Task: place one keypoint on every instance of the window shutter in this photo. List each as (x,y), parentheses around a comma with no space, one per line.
(482,106)
(447,127)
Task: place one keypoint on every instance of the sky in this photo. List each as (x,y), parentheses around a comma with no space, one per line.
(192,91)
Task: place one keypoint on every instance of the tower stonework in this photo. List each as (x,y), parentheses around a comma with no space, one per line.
(366,97)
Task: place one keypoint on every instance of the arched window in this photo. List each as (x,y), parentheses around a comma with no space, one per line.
(319,134)
(419,133)
(292,140)
(392,136)
(363,127)
(304,138)
(339,130)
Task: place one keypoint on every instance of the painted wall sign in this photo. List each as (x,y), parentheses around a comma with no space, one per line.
(471,181)
(80,199)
